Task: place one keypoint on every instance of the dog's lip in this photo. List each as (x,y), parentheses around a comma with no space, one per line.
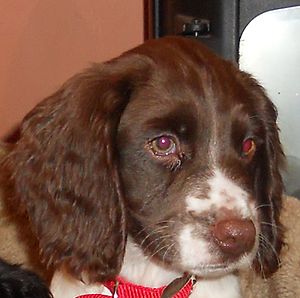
(210,269)
(214,267)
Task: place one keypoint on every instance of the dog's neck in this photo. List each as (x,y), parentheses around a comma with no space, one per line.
(139,269)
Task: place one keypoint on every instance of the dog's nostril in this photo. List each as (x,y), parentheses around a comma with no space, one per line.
(234,236)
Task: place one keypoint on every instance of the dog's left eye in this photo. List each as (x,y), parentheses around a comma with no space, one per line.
(248,147)
(163,146)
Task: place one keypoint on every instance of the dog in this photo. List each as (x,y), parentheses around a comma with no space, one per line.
(156,168)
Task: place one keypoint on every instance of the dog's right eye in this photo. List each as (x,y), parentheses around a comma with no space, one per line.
(163,146)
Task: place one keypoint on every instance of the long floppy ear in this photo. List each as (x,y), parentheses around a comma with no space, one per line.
(65,169)
(269,188)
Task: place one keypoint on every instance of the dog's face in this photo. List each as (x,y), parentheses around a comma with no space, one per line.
(169,144)
(192,147)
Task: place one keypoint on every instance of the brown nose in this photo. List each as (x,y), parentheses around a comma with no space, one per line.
(234,236)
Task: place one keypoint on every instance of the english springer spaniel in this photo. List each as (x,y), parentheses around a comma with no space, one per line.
(160,167)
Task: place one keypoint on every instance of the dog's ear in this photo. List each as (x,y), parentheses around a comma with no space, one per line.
(269,188)
(65,169)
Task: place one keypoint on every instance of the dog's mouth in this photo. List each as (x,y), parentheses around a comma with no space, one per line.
(215,270)
(213,257)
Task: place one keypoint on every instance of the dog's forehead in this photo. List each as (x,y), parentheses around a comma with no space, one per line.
(179,62)
(176,50)
(182,66)
(189,86)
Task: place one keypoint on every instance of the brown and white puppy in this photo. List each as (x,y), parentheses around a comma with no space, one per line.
(161,162)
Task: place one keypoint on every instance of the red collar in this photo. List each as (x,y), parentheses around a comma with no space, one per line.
(124,289)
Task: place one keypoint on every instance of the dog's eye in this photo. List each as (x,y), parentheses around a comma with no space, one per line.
(163,146)
(248,147)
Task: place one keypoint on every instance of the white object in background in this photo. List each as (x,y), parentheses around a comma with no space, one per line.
(270,51)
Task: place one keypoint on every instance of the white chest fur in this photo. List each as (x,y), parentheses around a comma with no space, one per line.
(140,270)
(224,287)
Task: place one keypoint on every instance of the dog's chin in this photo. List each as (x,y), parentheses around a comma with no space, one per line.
(212,270)
(208,271)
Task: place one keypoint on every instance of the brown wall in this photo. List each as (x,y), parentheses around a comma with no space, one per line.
(43,42)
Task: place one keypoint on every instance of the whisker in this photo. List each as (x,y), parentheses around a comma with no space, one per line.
(268,244)
(150,227)
(158,224)
(167,251)
(160,249)
(153,232)
(261,265)
(262,205)
(160,239)
(156,229)
(272,225)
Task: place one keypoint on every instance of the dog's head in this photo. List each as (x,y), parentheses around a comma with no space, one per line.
(167,143)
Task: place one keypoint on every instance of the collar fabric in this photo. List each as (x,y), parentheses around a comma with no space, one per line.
(124,289)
